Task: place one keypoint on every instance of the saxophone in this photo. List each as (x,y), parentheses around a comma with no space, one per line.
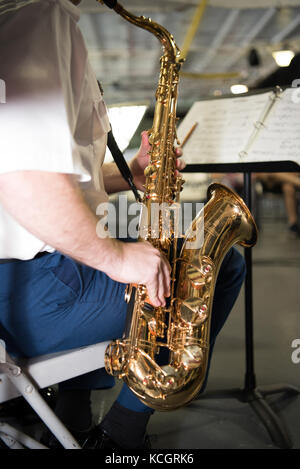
(181,329)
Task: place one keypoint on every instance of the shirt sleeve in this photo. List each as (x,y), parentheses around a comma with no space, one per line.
(43,61)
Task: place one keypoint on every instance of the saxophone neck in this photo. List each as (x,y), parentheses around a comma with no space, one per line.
(171,50)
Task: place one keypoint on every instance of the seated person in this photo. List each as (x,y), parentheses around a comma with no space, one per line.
(287,184)
(62,285)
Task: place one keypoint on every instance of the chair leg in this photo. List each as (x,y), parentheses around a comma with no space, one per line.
(8,442)
(15,439)
(30,392)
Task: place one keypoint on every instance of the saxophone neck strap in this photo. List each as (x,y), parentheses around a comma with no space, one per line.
(122,164)
(119,158)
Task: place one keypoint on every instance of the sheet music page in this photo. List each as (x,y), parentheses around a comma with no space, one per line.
(279,138)
(226,125)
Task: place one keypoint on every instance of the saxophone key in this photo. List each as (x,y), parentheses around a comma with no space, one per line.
(128,293)
(193,311)
(150,171)
(191,357)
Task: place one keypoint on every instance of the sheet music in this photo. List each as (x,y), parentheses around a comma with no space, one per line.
(279,139)
(226,125)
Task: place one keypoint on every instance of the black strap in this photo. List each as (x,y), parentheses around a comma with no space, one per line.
(119,158)
(122,164)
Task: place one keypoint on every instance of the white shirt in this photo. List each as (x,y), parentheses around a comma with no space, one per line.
(54,118)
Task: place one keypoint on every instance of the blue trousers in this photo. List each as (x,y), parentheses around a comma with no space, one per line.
(52,303)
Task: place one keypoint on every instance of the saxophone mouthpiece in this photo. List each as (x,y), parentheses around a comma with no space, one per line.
(110,3)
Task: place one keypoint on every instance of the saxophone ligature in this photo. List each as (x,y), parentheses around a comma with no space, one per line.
(178,332)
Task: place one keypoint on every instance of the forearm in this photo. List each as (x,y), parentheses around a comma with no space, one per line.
(270,178)
(113,180)
(291,178)
(51,207)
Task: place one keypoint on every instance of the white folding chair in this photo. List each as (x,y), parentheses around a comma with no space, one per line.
(25,377)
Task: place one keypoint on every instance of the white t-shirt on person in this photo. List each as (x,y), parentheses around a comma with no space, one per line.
(54,118)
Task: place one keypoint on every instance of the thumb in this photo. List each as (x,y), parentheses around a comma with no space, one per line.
(145,140)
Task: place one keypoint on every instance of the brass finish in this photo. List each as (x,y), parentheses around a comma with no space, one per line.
(182,327)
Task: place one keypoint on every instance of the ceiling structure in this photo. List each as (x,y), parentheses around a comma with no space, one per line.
(126,58)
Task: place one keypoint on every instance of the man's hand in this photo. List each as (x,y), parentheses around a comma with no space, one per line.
(143,264)
(141,160)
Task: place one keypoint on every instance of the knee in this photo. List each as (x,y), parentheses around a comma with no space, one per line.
(238,265)
(288,189)
(233,270)
(229,282)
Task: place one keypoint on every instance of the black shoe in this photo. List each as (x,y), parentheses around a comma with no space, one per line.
(20,409)
(294,230)
(49,440)
(93,439)
(99,439)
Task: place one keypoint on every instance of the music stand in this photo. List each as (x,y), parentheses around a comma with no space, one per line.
(251,393)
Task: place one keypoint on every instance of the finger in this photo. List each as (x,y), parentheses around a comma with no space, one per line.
(167,280)
(145,140)
(166,276)
(161,289)
(180,164)
(166,262)
(152,290)
(178,152)
(177,173)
